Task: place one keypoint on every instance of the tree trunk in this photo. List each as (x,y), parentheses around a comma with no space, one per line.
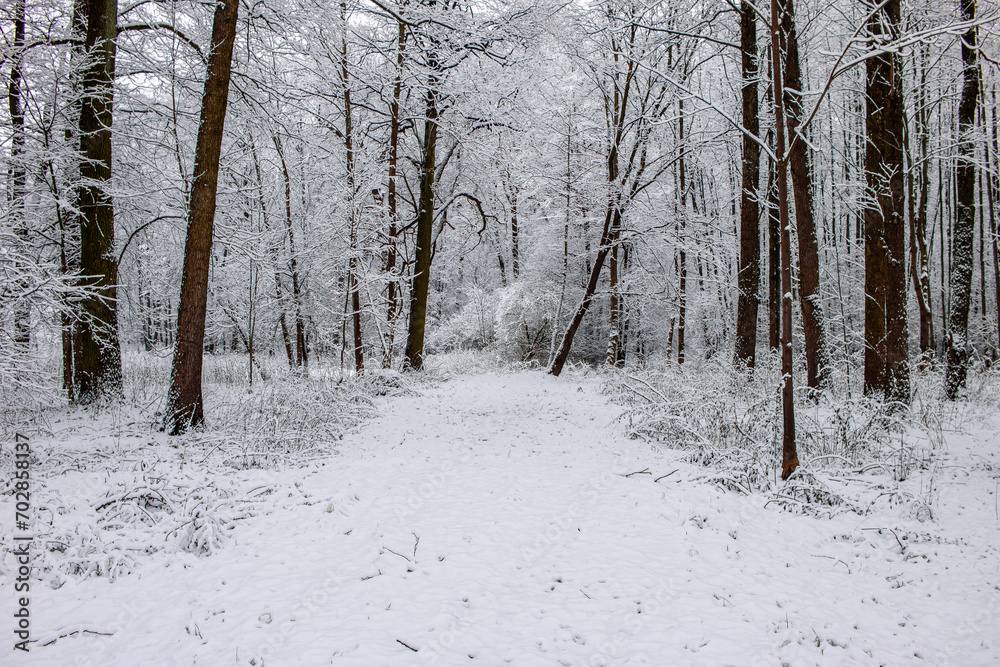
(611,220)
(17,169)
(100,371)
(515,248)
(749,268)
(185,406)
(773,263)
(994,182)
(423,248)
(886,337)
(919,231)
(392,306)
(789,457)
(301,358)
(614,324)
(809,293)
(359,347)
(682,267)
(965,217)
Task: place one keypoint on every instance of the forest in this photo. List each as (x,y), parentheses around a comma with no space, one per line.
(760,238)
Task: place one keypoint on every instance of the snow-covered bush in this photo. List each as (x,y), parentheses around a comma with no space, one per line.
(524,315)
(471,328)
(733,425)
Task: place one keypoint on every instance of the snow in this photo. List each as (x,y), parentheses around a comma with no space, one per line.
(504,518)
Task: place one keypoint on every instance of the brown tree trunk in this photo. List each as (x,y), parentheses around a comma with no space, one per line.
(773,263)
(789,457)
(423,248)
(100,370)
(749,262)
(611,220)
(810,298)
(886,337)
(185,406)
(965,218)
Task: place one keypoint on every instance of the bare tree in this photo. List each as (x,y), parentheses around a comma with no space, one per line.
(802,184)
(789,457)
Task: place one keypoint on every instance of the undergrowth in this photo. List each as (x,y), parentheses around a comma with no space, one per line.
(855,451)
(108,486)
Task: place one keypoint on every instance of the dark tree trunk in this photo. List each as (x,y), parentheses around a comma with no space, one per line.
(886,337)
(773,263)
(515,249)
(965,217)
(611,220)
(918,230)
(359,347)
(681,219)
(614,308)
(789,457)
(810,298)
(185,406)
(100,370)
(392,306)
(994,182)
(423,248)
(301,357)
(17,170)
(749,267)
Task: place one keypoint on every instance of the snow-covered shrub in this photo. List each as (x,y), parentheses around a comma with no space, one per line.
(525,312)
(732,424)
(472,327)
(209,518)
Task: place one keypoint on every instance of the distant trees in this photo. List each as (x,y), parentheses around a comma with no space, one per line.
(581,181)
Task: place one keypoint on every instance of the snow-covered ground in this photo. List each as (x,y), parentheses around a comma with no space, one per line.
(492,520)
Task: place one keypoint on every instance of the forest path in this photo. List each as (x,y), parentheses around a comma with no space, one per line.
(488,520)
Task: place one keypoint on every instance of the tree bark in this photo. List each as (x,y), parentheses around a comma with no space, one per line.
(359,347)
(423,248)
(886,336)
(682,254)
(185,406)
(789,457)
(392,306)
(17,169)
(301,357)
(809,292)
(100,371)
(773,263)
(965,217)
(749,261)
